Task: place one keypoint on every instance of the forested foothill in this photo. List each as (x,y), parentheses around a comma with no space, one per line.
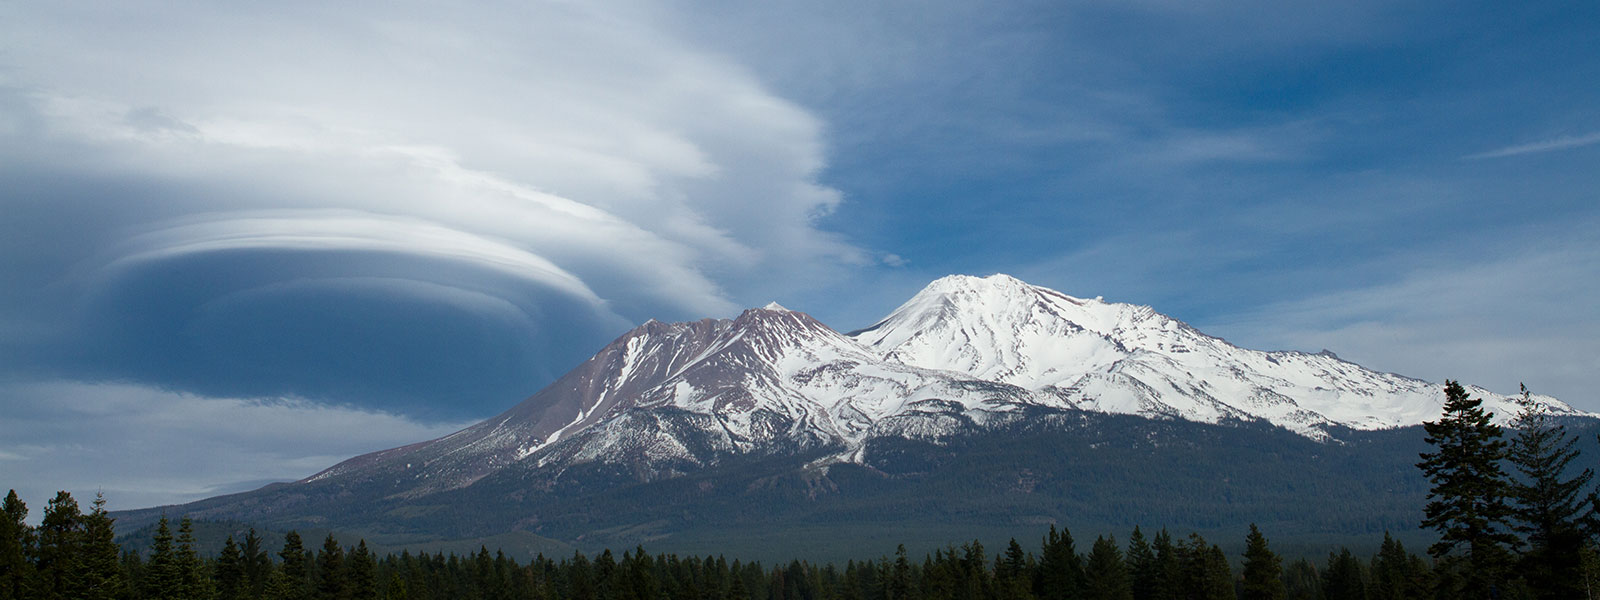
(1514,512)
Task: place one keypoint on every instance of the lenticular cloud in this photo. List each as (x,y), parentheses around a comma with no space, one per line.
(570,162)
(344,231)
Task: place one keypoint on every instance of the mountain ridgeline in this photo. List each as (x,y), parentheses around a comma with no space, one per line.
(981,406)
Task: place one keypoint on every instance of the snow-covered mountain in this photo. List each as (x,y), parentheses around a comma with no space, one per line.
(1124,358)
(966,352)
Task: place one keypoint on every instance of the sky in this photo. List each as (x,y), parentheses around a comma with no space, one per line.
(239,242)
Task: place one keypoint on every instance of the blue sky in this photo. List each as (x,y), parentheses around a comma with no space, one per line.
(278,236)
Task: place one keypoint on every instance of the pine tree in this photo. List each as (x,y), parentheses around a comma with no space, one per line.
(1202,571)
(1386,578)
(1013,579)
(1141,566)
(192,572)
(162,580)
(295,569)
(102,559)
(737,591)
(16,544)
(257,565)
(1344,580)
(1169,567)
(1263,570)
(507,583)
(580,578)
(1551,508)
(483,573)
(1301,581)
(279,587)
(1467,503)
(975,579)
(331,571)
(938,578)
(642,581)
(132,566)
(60,550)
(363,574)
(397,589)
(1105,577)
(230,571)
(1397,574)
(1060,567)
(900,576)
(1218,576)
(607,576)
(777,586)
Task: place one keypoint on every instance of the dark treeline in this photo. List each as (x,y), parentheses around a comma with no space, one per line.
(72,555)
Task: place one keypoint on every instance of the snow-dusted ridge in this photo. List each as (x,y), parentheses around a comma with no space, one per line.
(964,352)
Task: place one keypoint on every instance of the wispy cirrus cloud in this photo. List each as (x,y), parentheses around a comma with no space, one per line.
(1567,142)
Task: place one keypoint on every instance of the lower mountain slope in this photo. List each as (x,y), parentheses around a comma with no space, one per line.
(1093,472)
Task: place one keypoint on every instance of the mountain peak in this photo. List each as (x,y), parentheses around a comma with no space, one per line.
(959,282)
(997,293)
(999,328)
(774,306)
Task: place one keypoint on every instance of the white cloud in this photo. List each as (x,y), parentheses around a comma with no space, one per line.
(144,446)
(342,230)
(1550,145)
(613,156)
